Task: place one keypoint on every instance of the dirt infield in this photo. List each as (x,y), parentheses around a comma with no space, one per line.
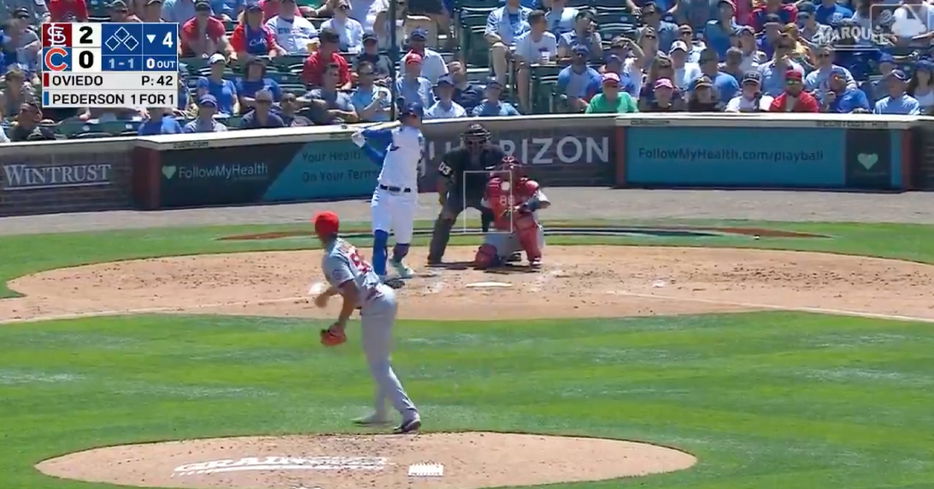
(464,461)
(577,281)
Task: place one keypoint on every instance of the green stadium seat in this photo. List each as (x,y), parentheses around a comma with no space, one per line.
(609,31)
(92,135)
(578,4)
(615,17)
(285,63)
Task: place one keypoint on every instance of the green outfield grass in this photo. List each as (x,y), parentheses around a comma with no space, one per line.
(767,400)
(764,400)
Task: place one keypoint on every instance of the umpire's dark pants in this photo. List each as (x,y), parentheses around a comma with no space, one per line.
(453,206)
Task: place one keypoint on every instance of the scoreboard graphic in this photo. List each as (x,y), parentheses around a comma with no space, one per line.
(109,65)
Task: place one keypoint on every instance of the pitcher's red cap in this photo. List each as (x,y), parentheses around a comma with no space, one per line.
(326,223)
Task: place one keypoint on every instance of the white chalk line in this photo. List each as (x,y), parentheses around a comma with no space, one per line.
(753,305)
(750,305)
(148,310)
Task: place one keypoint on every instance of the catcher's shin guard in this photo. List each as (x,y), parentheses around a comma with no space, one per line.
(486,257)
(527,233)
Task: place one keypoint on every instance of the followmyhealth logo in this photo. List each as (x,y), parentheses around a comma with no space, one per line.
(867,160)
(221,171)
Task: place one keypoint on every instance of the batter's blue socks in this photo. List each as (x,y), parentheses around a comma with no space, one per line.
(399,251)
(380,240)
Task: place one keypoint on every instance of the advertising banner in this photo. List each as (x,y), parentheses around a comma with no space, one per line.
(732,156)
(265,173)
(65,178)
(579,154)
(869,159)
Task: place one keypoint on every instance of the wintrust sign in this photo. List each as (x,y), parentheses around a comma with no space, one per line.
(29,177)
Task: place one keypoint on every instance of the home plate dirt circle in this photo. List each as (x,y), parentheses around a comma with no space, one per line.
(437,460)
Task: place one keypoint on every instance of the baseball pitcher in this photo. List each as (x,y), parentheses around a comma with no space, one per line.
(515,200)
(400,152)
(463,173)
(351,277)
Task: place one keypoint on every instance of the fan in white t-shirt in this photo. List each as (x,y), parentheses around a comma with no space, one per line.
(750,98)
(537,46)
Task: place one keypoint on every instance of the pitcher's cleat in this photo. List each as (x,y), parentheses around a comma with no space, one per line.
(535,262)
(372,420)
(401,269)
(408,426)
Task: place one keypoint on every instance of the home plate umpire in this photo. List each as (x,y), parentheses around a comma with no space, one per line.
(464,173)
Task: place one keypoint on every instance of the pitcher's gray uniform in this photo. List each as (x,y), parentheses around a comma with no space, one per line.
(378,307)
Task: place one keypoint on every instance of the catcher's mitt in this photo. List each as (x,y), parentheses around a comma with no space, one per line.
(331,337)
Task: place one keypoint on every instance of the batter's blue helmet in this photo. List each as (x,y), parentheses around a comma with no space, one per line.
(412,109)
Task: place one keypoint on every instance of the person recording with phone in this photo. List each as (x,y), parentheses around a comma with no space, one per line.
(372,102)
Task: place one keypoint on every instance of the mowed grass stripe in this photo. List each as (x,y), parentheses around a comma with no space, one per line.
(765,399)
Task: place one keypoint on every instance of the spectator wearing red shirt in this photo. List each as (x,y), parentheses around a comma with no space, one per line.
(252,38)
(794,98)
(204,35)
(68,10)
(788,13)
(271,9)
(327,53)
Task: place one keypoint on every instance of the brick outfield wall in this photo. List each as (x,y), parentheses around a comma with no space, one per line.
(51,178)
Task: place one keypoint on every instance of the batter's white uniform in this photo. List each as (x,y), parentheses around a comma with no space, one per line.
(342,263)
(395,199)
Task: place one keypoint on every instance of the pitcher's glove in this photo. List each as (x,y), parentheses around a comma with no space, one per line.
(333,336)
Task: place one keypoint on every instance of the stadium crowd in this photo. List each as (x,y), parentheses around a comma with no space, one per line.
(276,63)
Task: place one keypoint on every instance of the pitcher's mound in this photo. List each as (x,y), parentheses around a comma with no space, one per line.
(463,460)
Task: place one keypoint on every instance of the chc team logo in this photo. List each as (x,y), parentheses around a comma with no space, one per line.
(56,59)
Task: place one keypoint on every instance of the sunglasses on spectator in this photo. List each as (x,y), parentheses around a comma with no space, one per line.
(264,102)
(792,81)
(823,55)
(687,33)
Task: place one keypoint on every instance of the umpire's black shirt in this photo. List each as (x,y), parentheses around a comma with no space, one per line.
(455,162)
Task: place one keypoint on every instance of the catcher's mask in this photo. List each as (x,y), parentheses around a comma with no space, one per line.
(510,168)
(476,136)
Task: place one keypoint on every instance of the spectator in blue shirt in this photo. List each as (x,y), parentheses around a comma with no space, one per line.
(262,116)
(717,32)
(560,18)
(350,30)
(578,82)
(886,66)
(222,89)
(898,101)
(585,34)
(492,106)
(372,102)
(413,87)
(724,84)
(693,13)
(255,80)
(818,79)
(331,104)
(468,95)
(830,12)
(773,32)
(180,11)
(666,31)
(839,98)
(503,26)
(773,72)
(159,123)
(227,10)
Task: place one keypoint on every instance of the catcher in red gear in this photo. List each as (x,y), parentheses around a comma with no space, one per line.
(515,199)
